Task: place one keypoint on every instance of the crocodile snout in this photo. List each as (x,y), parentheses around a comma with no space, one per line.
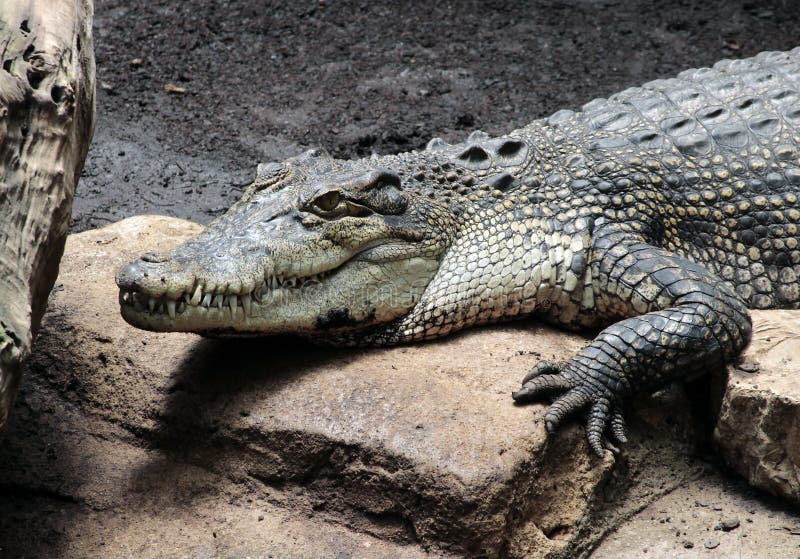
(156,275)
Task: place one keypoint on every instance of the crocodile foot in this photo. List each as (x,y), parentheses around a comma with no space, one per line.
(574,391)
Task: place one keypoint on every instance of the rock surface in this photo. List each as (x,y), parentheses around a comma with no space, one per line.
(135,443)
(758,429)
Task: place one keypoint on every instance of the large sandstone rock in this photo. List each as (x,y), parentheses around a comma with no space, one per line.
(147,440)
(758,429)
(46,124)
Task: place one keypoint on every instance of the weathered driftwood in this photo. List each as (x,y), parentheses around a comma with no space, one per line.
(46,123)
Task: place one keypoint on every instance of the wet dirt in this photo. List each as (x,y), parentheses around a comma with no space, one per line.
(259,81)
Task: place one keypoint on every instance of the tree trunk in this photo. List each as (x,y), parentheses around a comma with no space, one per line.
(47,109)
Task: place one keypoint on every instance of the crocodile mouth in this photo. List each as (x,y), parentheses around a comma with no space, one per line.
(219,301)
(375,285)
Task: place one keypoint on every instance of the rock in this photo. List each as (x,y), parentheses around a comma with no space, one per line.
(134,503)
(416,445)
(728,524)
(46,124)
(712,544)
(758,427)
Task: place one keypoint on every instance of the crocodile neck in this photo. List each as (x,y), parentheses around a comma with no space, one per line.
(508,261)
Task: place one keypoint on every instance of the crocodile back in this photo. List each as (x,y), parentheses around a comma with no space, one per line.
(706,164)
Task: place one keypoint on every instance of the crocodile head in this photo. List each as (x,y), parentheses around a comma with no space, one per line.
(316,246)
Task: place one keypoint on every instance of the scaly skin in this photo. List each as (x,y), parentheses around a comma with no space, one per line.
(660,214)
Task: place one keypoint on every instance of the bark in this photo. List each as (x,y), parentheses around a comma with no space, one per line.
(47,95)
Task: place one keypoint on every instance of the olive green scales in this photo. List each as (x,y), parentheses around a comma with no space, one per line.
(660,214)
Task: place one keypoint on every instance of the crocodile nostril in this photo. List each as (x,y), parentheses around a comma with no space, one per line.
(130,274)
(155,257)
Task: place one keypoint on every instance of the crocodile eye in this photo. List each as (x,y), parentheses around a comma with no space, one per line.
(327,202)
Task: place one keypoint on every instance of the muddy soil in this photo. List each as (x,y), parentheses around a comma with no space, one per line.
(261,81)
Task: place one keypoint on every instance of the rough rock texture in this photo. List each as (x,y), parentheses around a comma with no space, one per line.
(46,124)
(420,446)
(758,430)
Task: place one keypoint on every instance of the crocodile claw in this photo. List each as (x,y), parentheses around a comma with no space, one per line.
(572,394)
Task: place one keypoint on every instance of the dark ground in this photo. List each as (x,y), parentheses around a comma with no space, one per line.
(265,80)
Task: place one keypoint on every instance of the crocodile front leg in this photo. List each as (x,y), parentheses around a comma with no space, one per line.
(690,321)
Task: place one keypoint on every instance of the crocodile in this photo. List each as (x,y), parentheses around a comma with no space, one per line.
(656,218)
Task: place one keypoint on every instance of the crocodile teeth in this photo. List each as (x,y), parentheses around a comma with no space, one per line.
(198,293)
(202,295)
